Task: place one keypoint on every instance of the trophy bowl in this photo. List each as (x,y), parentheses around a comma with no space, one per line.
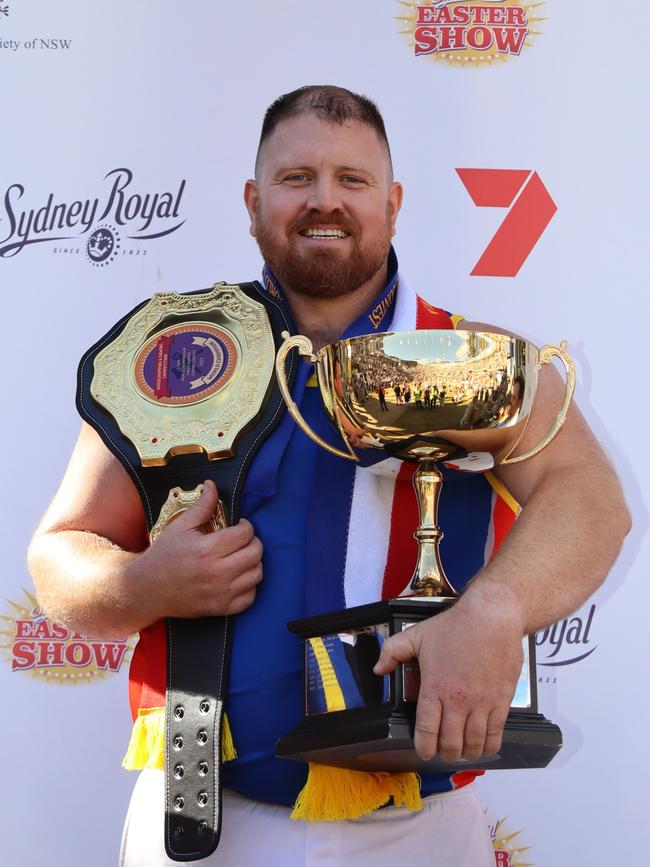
(460,398)
(433,394)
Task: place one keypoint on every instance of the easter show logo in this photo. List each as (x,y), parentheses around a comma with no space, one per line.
(34,645)
(471,33)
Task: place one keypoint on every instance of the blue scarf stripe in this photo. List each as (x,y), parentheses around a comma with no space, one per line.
(262,478)
(327,534)
(463,546)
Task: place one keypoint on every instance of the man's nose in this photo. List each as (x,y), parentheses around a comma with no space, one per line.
(324,195)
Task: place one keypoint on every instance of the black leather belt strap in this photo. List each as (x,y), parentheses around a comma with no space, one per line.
(198,649)
(197,653)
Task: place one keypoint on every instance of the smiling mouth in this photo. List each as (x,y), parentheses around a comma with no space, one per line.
(324,234)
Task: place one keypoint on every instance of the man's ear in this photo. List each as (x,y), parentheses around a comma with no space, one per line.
(250,200)
(395,198)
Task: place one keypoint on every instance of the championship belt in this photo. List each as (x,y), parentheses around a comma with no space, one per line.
(180,390)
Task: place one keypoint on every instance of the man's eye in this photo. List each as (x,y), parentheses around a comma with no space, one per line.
(296,178)
(352,179)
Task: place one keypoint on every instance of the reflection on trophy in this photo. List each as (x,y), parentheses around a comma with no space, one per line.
(457,398)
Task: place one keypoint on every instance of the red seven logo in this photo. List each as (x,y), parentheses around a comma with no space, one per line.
(530,211)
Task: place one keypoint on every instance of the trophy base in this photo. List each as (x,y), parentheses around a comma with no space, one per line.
(357,720)
(384,742)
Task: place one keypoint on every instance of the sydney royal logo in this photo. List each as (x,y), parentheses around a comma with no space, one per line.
(567,641)
(99,226)
(102,245)
(474,32)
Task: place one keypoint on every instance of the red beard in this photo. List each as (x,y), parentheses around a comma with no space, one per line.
(323,272)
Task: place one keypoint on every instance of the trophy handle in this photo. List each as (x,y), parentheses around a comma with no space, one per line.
(305,348)
(546,355)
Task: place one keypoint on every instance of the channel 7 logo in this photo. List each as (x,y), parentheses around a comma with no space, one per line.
(530,210)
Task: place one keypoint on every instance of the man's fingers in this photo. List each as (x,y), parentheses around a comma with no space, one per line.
(494,734)
(241,603)
(475,735)
(243,590)
(451,738)
(398,648)
(447,731)
(243,584)
(228,541)
(428,717)
(236,547)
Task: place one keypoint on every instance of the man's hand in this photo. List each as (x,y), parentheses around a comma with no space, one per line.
(189,573)
(95,572)
(470,659)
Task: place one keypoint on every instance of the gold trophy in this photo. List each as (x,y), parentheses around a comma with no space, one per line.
(460,398)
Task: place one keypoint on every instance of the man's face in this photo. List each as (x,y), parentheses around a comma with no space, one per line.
(323,205)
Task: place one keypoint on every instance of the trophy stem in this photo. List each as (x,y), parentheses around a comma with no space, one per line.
(429,578)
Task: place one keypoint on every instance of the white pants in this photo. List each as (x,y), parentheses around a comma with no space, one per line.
(451,831)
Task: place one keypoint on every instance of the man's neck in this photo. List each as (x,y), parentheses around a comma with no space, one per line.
(323,320)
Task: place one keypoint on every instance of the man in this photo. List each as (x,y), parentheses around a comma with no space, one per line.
(323,207)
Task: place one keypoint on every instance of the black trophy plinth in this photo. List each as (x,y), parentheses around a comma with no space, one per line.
(357,720)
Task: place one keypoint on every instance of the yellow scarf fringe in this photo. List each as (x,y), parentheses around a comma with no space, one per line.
(331,794)
(147,745)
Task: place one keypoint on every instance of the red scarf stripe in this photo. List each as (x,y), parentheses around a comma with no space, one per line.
(428,316)
(402,547)
(148,673)
(464,778)
(503,519)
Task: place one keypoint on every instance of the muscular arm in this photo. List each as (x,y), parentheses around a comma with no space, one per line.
(573,521)
(93,569)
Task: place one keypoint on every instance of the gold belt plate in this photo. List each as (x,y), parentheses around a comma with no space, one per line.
(188,373)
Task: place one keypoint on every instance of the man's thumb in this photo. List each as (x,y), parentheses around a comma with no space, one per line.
(199,513)
(394,650)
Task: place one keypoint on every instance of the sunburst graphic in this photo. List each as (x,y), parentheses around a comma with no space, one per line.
(507,849)
(19,646)
(500,48)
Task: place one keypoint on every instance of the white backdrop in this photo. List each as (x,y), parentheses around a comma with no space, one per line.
(175,93)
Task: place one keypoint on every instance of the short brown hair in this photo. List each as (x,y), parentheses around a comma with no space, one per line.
(331,103)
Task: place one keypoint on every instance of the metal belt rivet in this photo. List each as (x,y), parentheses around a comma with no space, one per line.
(202,799)
(179,770)
(178,742)
(178,831)
(204,707)
(203,768)
(202,737)
(179,711)
(179,802)
(203,827)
